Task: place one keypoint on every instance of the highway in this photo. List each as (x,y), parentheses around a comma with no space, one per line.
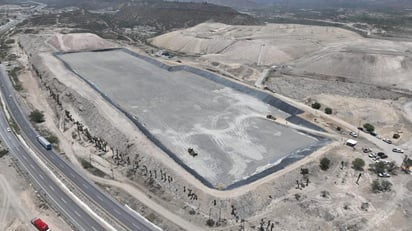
(80,219)
(61,200)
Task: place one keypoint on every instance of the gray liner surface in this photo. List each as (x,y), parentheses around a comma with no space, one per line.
(263,96)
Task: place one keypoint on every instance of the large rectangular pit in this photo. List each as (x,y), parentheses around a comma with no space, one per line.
(182,107)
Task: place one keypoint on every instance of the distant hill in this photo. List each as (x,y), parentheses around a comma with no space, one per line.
(314,4)
(168,15)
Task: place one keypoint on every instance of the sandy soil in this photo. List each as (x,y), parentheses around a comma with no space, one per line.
(19,202)
(383,114)
(264,45)
(77,42)
(308,50)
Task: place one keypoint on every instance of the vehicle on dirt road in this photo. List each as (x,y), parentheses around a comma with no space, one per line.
(353,134)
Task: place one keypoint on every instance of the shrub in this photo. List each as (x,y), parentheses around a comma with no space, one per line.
(53,139)
(328,110)
(378,167)
(304,171)
(324,194)
(37,116)
(358,164)
(3,152)
(386,186)
(381,186)
(86,164)
(369,127)
(376,186)
(396,136)
(391,167)
(324,163)
(316,105)
(210,222)
(338,129)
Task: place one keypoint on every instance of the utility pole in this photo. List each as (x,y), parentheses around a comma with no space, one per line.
(357,181)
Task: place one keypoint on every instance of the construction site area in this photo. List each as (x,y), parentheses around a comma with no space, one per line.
(225,127)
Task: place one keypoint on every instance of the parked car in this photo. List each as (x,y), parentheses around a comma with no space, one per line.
(387,141)
(366,150)
(353,134)
(384,174)
(398,150)
(360,128)
(372,155)
(373,133)
(382,155)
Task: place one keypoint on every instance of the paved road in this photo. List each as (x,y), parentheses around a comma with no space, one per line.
(117,211)
(64,203)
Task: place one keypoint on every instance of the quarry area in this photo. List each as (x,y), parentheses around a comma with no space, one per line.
(223,127)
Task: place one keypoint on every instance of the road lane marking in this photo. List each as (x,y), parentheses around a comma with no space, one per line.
(84,185)
(51,187)
(100,198)
(116,211)
(41,176)
(71,174)
(64,201)
(77,213)
(24,157)
(32,166)
(94,228)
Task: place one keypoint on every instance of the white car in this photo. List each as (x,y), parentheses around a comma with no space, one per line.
(384,174)
(387,141)
(8,129)
(398,150)
(353,134)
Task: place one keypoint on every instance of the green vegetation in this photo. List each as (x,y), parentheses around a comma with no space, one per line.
(358,164)
(89,167)
(369,127)
(36,116)
(14,79)
(3,152)
(381,186)
(9,41)
(86,164)
(52,139)
(324,163)
(381,167)
(328,110)
(316,105)
(13,125)
(304,171)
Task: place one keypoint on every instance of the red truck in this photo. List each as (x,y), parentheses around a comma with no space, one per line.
(40,225)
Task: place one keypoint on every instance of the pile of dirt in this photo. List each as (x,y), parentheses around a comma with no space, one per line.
(370,61)
(78,42)
(265,45)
